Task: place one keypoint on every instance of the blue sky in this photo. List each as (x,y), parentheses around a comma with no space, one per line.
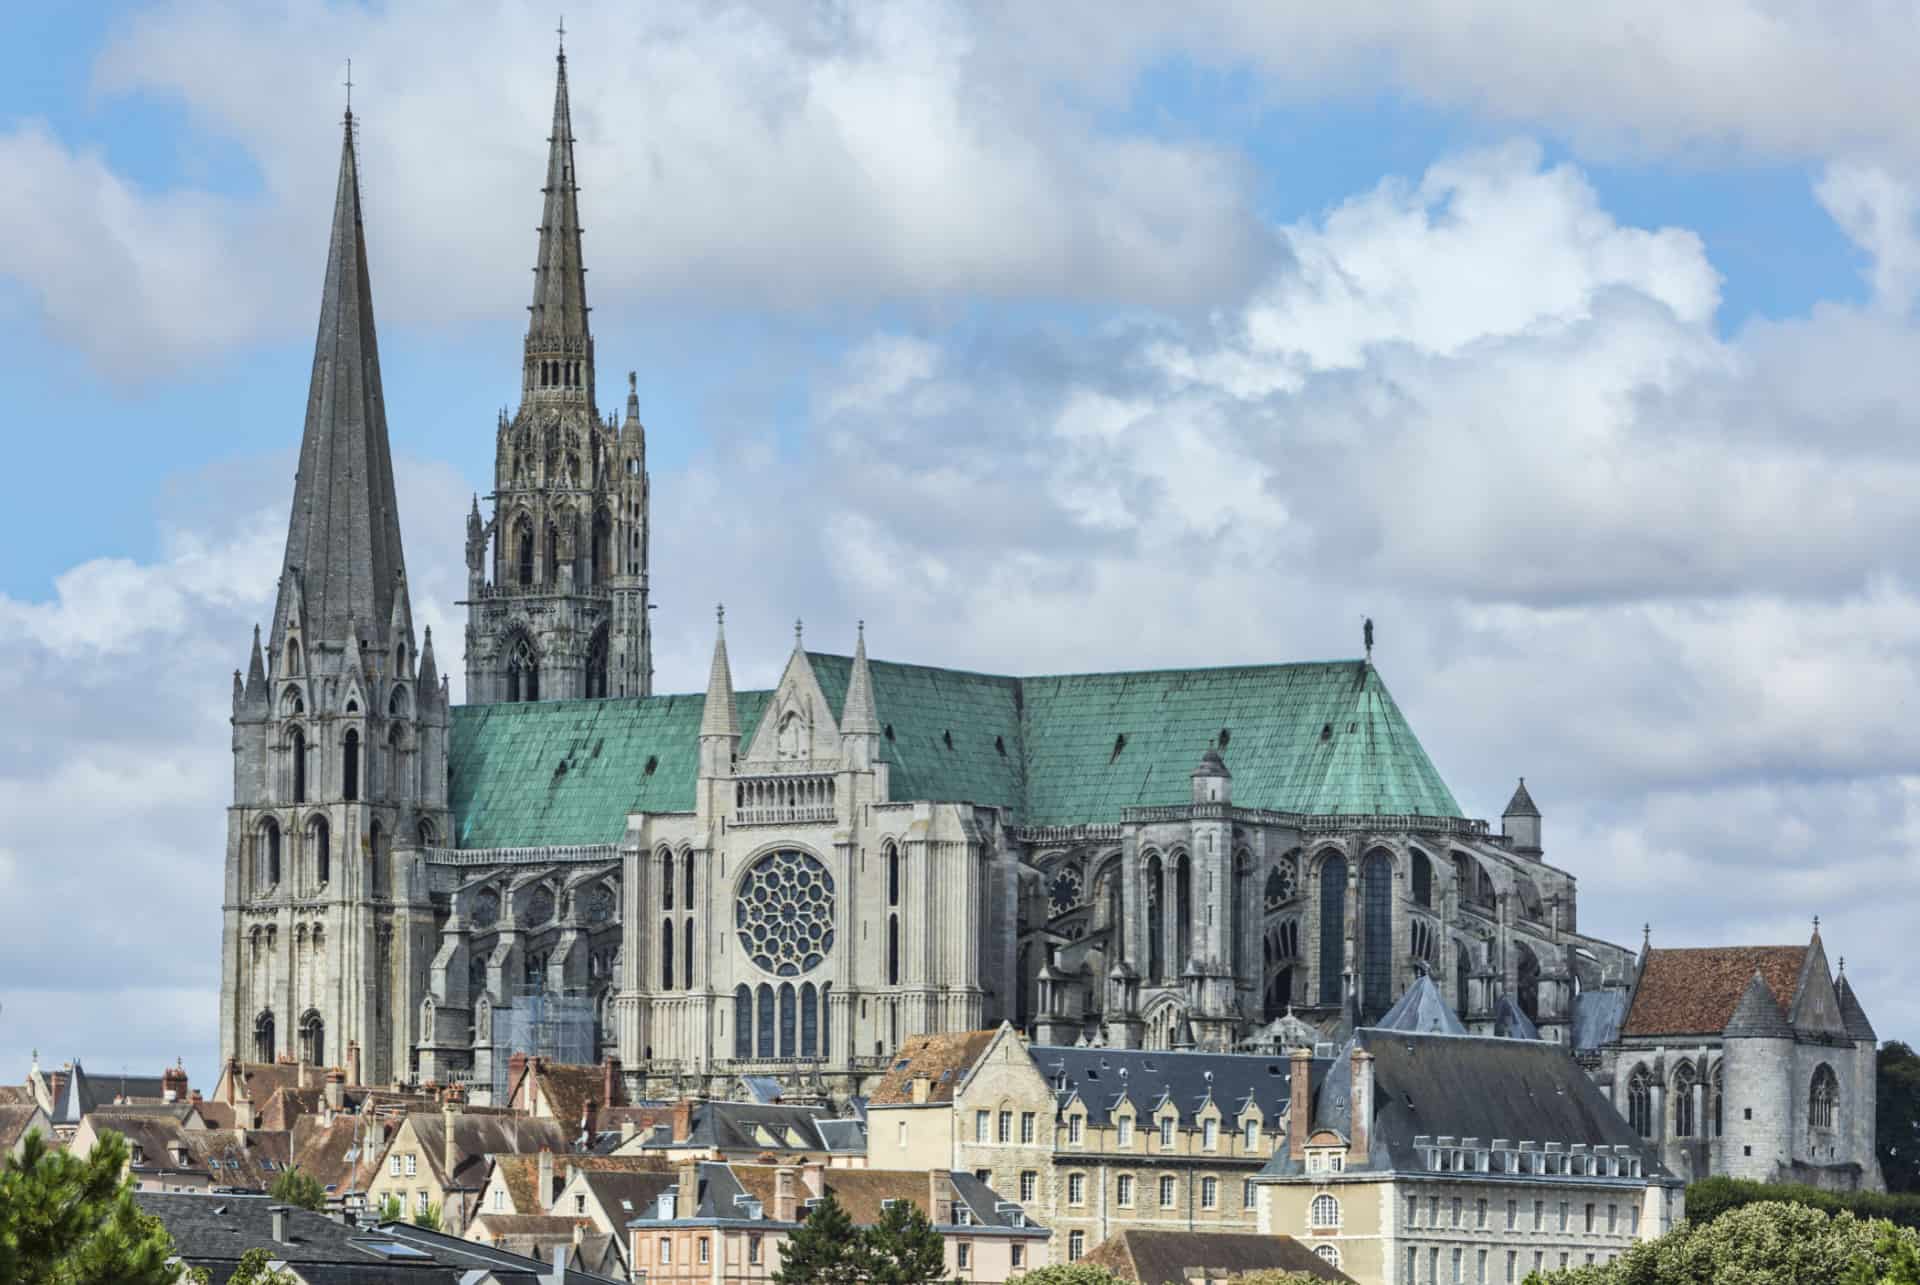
(1572,347)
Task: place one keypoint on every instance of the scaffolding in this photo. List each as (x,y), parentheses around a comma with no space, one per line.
(560,1026)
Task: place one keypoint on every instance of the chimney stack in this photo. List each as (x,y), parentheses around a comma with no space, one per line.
(785,1196)
(1299,1102)
(610,1086)
(1360,1090)
(449,1117)
(683,1119)
(336,1090)
(516,1068)
(545,1193)
(173,1083)
(353,1063)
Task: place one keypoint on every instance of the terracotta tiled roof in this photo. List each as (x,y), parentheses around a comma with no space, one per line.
(16,1118)
(942,1059)
(1694,991)
(1174,1257)
(570,1091)
(16,1095)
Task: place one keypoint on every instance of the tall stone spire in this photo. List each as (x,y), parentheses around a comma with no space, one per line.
(343,561)
(559,343)
(858,716)
(719,717)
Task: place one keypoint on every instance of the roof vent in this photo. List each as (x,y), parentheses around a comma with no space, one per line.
(947,736)
(653,761)
(1353,727)
(1326,731)
(1226,734)
(1119,743)
(887,731)
(1000,745)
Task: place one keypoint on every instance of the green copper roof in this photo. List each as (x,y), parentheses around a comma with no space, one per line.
(1320,738)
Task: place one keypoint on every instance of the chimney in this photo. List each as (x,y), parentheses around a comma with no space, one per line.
(627,1129)
(306,1073)
(610,1086)
(544,1193)
(243,1113)
(279,1213)
(353,1063)
(1360,1092)
(683,1119)
(922,1089)
(940,1197)
(686,1190)
(813,1176)
(785,1197)
(56,1084)
(559,1276)
(1299,1102)
(449,1117)
(336,1091)
(516,1067)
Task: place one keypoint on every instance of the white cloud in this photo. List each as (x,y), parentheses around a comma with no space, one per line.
(1881,213)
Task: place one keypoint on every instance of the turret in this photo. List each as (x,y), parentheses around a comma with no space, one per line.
(859,719)
(1521,822)
(1757,1141)
(719,718)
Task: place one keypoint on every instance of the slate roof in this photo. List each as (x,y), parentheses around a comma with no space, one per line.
(477,1136)
(1855,1017)
(752,1126)
(858,1191)
(942,1059)
(1466,1086)
(1758,1013)
(503,1263)
(1322,737)
(1521,804)
(1422,1008)
(627,1195)
(1149,1077)
(1174,1257)
(15,1119)
(1597,1016)
(1510,1022)
(1694,991)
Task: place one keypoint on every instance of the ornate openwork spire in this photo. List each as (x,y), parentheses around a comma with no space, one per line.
(343,553)
(558,338)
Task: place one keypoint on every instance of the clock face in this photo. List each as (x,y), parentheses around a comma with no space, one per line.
(1064,894)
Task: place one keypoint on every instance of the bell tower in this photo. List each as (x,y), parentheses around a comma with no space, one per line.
(339,732)
(557,578)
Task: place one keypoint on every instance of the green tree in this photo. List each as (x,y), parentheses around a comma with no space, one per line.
(1897,1124)
(67,1221)
(428,1218)
(256,1269)
(823,1250)
(391,1210)
(902,1248)
(1768,1243)
(300,1188)
(1072,1274)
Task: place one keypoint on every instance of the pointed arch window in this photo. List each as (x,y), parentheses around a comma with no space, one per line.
(666,954)
(1684,1080)
(1156,917)
(350,765)
(597,664)
(1376,933)
(266,854)
(686,881)
(686,954)
(425,833)
(377,847)
(1422,879)
(893,875)
(523,671)
(1182,911)
(1333,927)
(318,846)
(742,1022)
(1528,978)
(1640,1102)
(263,1047)
(763,1021)
(893,950)
(1717,1099)
(1823,1098)
(523,548)
(809,1021)
(1462,973)
(313,1039)
(788,1019)
(297,752)
(553,553)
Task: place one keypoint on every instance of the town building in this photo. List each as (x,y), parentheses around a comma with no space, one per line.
(728,1222)
(1206,1257)
(1751,1061)
(1439,1157)
(439,1160)
(1090,1142)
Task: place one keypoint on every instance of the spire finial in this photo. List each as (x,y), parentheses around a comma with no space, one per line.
(1816,925)
(796,633)
(349,83)
(861,628)
(1366,635)
(562,29)
(1843,965)
(1646,935)
(720,616)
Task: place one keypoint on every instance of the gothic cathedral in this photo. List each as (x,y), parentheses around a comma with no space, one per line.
(789,882)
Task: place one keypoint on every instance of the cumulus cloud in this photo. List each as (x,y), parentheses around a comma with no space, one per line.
(116,770)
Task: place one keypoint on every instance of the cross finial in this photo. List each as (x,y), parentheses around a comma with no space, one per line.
(1646,935)
(1366,635)
(562,29)
(349,84)
(720,615)
(1816,924)
(861,626)
(796,633)
(1843,965)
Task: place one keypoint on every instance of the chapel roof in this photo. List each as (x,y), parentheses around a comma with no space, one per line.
(1322,738)
(1694,990)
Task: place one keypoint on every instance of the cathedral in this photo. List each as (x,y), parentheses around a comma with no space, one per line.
(791,882)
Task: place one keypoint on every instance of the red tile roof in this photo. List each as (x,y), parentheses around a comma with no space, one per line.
(941,1059)
(1694,991)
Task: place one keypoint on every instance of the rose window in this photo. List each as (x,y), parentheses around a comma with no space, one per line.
(784,913)
(1065,892)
